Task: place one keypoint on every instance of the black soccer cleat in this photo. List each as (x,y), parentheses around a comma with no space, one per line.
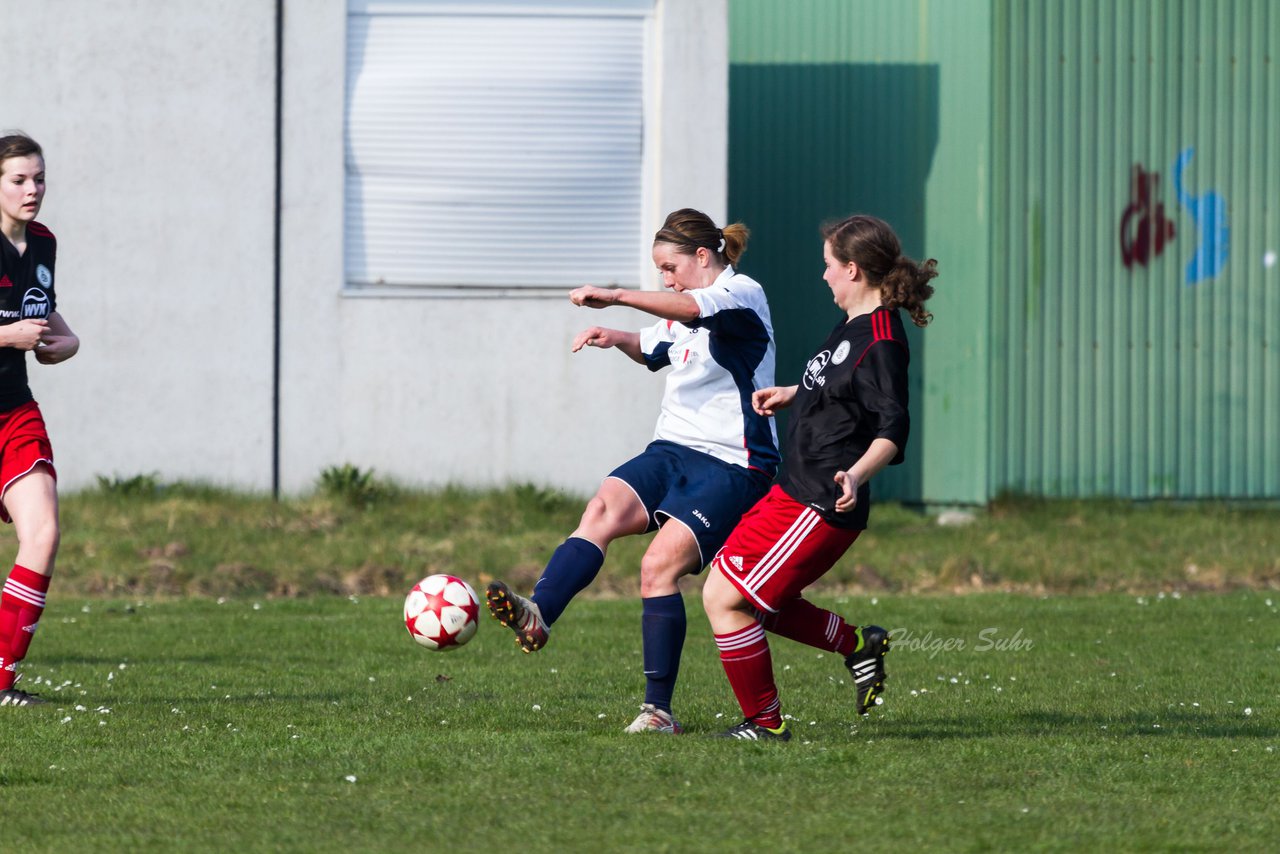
(752,731)
(518,614)
(866,666)
(17,697)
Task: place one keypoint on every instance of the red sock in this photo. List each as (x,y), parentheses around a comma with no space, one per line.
(800,620)
(21,604)
(749,666)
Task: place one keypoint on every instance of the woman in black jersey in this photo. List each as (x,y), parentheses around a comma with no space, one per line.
(29,322)
(849,420)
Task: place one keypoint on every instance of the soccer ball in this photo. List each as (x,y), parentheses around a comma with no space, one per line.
(441,612)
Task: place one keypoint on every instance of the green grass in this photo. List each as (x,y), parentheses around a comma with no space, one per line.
(1118,722)
(221,664)
(138,537)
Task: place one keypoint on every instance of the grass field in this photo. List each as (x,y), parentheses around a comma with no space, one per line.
(140,538)
(1011,722)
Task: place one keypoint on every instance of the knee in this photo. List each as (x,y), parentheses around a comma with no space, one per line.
(608,517)
(719,597)
(43,537)
(603,518)
(659,574)
(596,511)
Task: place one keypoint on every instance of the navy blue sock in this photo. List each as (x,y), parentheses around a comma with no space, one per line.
(663,631)
(573,565)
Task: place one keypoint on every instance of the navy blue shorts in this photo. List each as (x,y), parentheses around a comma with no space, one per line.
(706,495)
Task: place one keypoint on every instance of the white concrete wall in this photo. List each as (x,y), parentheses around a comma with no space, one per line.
(693,114)
(158,122)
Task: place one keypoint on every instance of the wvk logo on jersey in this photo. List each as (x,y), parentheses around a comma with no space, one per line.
(813,371)
(35,303)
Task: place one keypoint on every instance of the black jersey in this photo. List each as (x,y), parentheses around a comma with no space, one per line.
(854,391)
(26,291)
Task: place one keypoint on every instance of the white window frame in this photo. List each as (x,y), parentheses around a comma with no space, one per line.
(497,267)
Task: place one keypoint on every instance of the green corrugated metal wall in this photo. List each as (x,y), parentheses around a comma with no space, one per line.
(1159,378)
(1031,148)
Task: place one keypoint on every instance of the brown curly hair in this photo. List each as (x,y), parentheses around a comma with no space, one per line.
(872,244)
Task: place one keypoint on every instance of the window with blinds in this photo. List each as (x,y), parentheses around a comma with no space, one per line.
(495,144)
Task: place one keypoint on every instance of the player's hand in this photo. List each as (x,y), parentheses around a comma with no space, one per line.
(590,296)
(848,498)
(25,334)
(57,348)
(596,336)
(767,401)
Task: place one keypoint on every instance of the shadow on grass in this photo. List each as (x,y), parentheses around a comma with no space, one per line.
(1156,724)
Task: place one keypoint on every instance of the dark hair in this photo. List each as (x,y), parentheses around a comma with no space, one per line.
(18,144)
(692,230)
(872,245)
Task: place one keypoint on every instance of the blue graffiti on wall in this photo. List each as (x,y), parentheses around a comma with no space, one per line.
(1209,210)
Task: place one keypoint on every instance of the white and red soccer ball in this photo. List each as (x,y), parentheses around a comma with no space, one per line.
(441,612)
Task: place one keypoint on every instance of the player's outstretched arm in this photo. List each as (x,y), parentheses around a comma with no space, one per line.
(767,401)
(598,336)
(58,343)
(667,305)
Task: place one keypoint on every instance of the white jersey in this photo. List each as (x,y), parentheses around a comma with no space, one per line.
(716,362)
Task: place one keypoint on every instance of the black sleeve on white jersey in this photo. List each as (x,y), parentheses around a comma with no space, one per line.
(732,310)
(880,383)
(733,323)
(659,358)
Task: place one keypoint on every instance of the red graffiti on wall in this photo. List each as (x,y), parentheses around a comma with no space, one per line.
(1144,229)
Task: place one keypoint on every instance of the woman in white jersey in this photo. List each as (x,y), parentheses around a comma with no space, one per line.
(711,458)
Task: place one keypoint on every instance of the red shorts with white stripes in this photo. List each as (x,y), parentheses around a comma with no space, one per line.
(24,444)
(778,549)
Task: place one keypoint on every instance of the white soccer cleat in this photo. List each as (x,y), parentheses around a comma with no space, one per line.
(653,719)
(519,614)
